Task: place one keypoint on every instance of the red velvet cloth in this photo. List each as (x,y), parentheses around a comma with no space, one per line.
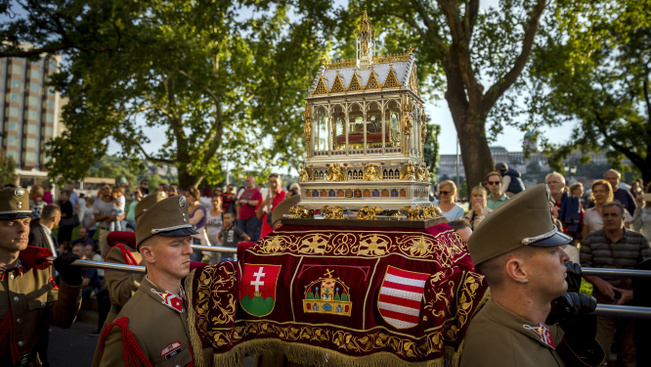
(364,278)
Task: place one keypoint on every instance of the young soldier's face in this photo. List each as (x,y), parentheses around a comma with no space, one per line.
(14,234)
(547,272)
(171,256)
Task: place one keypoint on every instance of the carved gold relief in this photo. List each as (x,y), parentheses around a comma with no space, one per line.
(299,211)
(413,213)
(305,174)
(336,172)
(431,211)
(422,173)
(372,172)
(368,213)
(408,172)
(332,212)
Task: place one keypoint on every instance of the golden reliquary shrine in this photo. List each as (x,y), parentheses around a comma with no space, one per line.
(364,130)
(374,278)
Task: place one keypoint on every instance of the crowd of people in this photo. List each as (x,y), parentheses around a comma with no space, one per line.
(610,230)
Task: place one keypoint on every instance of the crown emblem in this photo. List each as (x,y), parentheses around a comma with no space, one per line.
(327,295)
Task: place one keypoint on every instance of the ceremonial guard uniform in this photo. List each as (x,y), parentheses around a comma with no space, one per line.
(152,329)
(29,298)
(518,250)
(506,339)
(123,285)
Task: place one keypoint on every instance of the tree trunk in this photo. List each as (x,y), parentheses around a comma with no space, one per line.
(475,153)
(469,116)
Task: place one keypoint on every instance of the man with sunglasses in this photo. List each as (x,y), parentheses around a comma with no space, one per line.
(494,184)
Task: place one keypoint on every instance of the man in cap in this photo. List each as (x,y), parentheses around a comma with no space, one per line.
(152,327)
(29,298)
(518,249)
(122,285)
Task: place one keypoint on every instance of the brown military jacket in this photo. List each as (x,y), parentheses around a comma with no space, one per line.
(160,331)
(33,300)
(498,337)
(121,285)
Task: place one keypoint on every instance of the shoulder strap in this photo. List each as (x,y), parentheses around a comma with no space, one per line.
(130,348)
(126,254)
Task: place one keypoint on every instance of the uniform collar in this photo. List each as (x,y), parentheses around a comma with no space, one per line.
(508,319)
(16,270)
(176,302)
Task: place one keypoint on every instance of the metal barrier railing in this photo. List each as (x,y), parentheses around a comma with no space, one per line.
(614,273)
(601,310)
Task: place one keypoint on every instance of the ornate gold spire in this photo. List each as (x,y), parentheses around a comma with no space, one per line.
(365,42)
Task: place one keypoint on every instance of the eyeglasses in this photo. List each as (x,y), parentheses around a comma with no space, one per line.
(494,182)
(444,192)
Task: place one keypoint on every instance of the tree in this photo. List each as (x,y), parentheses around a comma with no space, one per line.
(220,85)
(593,70)
(431,149)
(7,168)
(461,49)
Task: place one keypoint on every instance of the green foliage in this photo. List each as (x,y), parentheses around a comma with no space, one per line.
(218,85)
(7,168)
(593,72)
(474,57)
(431,149)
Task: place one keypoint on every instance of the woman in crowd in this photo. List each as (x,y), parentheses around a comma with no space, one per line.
(447,193)
(642,217)
(592,221)
(478,211)
(214,222)
(67,221)
(197,216)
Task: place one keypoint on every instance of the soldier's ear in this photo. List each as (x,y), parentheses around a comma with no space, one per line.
(516,270)
(147,254)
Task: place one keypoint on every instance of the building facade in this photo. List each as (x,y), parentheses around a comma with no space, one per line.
(30,112)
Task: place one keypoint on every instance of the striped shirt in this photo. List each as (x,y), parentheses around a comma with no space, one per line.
(629,251)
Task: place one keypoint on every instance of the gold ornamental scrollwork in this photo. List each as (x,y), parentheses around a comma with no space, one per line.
(372,172)
(336,172)
(408,172)
(299,211)
(332,212)
(368,213)
(306,174)
(414,213)
(430,212)
(422,173)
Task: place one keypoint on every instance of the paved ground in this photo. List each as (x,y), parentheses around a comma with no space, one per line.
(73,347)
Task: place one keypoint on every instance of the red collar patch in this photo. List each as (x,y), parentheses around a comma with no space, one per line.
(171,350)
(543,332)
(171,300)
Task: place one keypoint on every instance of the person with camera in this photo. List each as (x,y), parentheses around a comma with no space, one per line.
(614,247)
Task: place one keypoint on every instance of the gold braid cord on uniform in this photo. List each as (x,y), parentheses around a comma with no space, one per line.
(399,297)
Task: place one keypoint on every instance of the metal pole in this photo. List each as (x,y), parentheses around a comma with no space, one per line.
(229,250)
(623,311)
(616,273)
(106,265)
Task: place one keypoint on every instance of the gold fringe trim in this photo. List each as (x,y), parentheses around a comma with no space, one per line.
(315,356)
(195,340)
(456,356)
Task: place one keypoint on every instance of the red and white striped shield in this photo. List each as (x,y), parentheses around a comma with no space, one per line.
(400,297)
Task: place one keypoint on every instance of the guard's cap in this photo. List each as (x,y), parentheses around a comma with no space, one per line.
(148,201)
(168,217)
(14,204)
(524,220)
